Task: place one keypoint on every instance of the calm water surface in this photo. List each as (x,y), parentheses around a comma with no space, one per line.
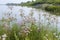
(15,11)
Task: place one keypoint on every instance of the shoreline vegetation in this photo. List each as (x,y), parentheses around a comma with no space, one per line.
(52,6)
(30,28)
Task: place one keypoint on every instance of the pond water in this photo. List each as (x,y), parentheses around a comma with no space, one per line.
(40,15)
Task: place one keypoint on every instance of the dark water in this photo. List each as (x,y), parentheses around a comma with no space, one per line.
(15,11)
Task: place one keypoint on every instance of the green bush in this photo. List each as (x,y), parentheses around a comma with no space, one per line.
(53,8)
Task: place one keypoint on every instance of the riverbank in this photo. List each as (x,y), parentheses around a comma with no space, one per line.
(53,7)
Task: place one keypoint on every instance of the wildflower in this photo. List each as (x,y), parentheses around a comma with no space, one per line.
(46,35)
(31,14)
(38,29)
(4,37)
(10,7)
(5,24)
(56,36)
(21,14)
(54,33)
(25,31)
(46,39)
(44,15)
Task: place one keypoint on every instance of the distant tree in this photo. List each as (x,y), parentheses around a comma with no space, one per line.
(32,1)
(28,1)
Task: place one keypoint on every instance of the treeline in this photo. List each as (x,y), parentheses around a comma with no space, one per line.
(49,1)
(29,3)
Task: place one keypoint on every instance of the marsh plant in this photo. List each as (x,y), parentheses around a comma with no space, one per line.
(29,29)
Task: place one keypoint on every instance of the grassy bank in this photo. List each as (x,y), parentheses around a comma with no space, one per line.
(32,31)
(53,9)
